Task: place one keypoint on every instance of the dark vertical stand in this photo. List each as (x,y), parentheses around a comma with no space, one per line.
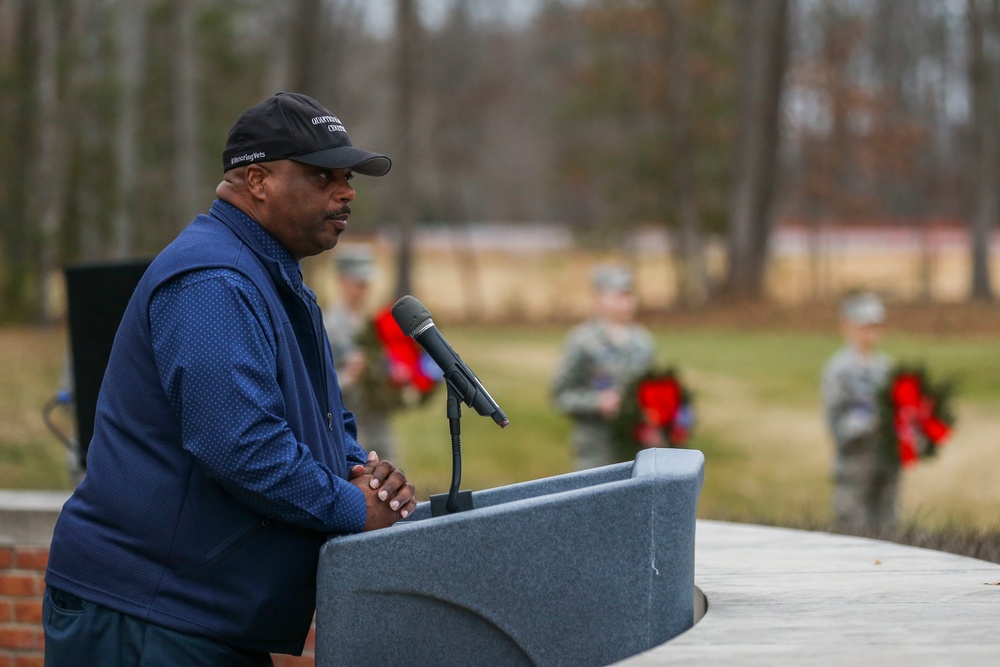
(454,500)
(97,296)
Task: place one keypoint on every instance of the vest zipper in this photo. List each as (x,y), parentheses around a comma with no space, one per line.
(318,334)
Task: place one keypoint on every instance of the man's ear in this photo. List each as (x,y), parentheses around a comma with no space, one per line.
(255,176)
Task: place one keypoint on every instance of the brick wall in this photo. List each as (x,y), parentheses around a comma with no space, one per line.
(26,522)
(22,571)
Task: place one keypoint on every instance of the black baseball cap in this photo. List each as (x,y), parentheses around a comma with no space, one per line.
(296,127)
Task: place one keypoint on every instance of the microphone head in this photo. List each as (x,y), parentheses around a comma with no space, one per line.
(410,314)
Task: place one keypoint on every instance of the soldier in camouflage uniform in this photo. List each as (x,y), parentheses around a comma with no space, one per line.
(359,359)
(600,358)
(866,479)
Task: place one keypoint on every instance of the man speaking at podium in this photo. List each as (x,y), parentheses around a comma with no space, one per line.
(222,455)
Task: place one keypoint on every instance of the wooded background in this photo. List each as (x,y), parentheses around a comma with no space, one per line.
(716,120)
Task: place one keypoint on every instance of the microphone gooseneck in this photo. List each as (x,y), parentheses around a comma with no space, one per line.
(416,321)
(463,387)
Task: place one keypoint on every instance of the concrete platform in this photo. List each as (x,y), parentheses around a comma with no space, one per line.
(28,517)
(787,597)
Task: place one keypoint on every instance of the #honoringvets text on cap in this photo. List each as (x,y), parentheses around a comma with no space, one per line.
(292,126)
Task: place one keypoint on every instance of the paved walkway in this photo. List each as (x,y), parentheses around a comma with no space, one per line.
(781,597)
(787,597)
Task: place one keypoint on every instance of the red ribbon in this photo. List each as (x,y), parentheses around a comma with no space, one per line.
(403,353)
(659,400)
(914,417)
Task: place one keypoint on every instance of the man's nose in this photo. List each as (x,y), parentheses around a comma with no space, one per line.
(346,193)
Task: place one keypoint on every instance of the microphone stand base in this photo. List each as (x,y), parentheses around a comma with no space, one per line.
(439,503)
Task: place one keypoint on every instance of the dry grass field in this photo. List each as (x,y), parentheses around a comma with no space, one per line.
(31,364)
(753,369)
(755,385)
(512,274)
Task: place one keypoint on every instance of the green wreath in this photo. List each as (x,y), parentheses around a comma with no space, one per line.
(375,383)
(915,414)
(662,391)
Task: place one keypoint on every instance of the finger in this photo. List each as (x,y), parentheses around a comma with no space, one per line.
(402,501)
(408,508)
(397,491)
(370,464)
(392,484)
(381,471)
(405,500)
(367,468)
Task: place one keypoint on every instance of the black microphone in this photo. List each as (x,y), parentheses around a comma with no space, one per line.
(416,322)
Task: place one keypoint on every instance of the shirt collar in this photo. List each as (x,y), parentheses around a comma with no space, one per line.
(267,245)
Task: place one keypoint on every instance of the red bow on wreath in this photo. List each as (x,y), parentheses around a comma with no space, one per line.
(915,417)
(409,365)
(661,400)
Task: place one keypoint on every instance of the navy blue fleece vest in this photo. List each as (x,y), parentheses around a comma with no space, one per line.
(147,532)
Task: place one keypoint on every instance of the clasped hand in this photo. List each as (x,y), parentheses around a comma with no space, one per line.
(389,497)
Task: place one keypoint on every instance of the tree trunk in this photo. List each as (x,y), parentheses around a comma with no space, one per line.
(467,259)
(17,56)
(47,207)
(762,72)
(57,98)
(689,255)
(984,79)
(814,232)
(925,267)
(90,199)
(407,35)
(187,164)
(131,63)
(307,24)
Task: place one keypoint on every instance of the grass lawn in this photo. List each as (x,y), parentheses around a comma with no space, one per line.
(31,364)
(760,426)
(756,396)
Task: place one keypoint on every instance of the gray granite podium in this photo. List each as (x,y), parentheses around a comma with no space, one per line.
(580,569)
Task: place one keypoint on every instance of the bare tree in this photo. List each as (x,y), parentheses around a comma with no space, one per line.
(18,54)
(762,73)
(131,34)
(689,252)
(460,82)
(56,97)
(51,153)
(187,164)
(984,76)
(905,38)
(407,40)
(307,26)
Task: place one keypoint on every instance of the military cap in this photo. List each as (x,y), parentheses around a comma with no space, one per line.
(355,263)
(863,308)
(612,278)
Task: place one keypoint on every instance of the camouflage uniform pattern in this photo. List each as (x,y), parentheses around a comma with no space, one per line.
(370,397)
(592,361)
(866,481)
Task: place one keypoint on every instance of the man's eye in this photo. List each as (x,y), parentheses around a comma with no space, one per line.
(330,175)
